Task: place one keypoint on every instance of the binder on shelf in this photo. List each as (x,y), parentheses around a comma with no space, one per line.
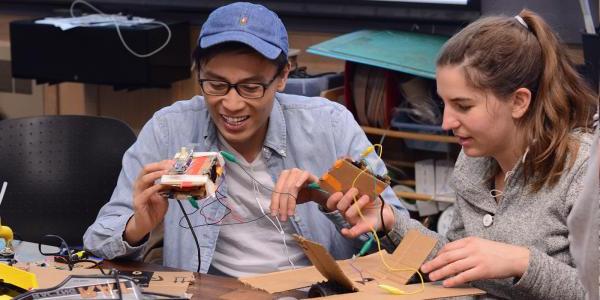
(370,94)
(376,62)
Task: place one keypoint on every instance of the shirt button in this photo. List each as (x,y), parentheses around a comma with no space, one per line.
(297,219)
(488,220)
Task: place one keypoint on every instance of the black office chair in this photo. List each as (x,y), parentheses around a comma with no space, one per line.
(60,171)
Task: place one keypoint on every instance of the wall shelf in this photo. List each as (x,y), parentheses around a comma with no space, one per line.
(410,135)
(425,197)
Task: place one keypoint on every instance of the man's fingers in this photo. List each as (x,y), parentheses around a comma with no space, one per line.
(150,178)
(277,192)
(156,166)
(145,195)
(302,179)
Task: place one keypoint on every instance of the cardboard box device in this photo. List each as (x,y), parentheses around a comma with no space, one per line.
(351,274)
(344,175)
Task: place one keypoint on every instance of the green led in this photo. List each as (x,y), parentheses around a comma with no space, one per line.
(228,156)
(366,246)
(193,202)
(314,186)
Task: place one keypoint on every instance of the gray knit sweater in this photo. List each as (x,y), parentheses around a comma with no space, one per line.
(537,221)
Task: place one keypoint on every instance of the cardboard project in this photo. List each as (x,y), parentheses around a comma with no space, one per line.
(364,274)
(345,172)
(193,175)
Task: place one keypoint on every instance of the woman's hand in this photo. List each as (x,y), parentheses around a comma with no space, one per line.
(474,258)
(370,210)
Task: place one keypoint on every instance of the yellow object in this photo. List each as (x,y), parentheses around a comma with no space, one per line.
(367,151)
(7,234)
(18,277)
(80,254)
(392,290)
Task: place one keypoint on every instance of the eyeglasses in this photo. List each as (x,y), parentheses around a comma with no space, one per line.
(246,90)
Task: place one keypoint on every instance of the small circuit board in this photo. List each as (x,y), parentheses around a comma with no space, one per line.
(194,175)
(346,173)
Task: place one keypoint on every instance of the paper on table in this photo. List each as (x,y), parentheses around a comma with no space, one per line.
(94,20)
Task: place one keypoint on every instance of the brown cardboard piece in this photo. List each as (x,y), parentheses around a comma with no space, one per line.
(173,283)
(406,259)
(343,174)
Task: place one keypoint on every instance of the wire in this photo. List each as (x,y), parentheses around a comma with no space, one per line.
(193,234)
(390,268)
(116,276)
(280,228)
(217,223)
(262,185)
(383,224)
(218,198)
(4,185)
(117,27)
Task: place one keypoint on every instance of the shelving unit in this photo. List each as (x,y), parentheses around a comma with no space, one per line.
(411,135)
(404,52)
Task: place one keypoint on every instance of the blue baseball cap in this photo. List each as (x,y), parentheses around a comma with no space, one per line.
(251,24)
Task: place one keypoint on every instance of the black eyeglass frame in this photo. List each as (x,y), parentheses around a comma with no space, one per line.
(264,86)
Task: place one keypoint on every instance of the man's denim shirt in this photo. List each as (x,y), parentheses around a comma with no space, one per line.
(305,133)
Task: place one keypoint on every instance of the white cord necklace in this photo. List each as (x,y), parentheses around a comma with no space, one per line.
(279,228)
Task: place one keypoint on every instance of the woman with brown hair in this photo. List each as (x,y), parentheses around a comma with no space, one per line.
(523,118)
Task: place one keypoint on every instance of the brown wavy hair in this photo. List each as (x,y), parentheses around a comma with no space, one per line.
(500,55)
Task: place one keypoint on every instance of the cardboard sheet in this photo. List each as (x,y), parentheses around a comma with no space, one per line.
(173,283)
(363,274)
(284,280)
(433,290)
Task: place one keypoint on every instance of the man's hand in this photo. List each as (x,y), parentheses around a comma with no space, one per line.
(370,210)
(149,206)
(474,258)
(290,190)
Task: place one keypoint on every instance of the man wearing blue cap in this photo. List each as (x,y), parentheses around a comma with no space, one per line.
(279,142)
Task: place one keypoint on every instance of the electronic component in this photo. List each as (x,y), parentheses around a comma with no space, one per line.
(346,173)
(194,174)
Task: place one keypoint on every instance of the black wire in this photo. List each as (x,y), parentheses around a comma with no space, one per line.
(96,264)
(193,234)
(383,224)
(265,187)
(116,275)
(217,223)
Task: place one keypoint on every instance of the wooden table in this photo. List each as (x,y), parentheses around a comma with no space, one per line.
(208,286)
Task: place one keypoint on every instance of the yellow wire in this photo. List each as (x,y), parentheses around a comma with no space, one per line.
(377,238)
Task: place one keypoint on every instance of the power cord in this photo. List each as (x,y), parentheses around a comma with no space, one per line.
(187,219)
(117,27)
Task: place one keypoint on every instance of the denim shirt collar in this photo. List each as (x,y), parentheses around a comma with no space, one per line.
(276,131)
